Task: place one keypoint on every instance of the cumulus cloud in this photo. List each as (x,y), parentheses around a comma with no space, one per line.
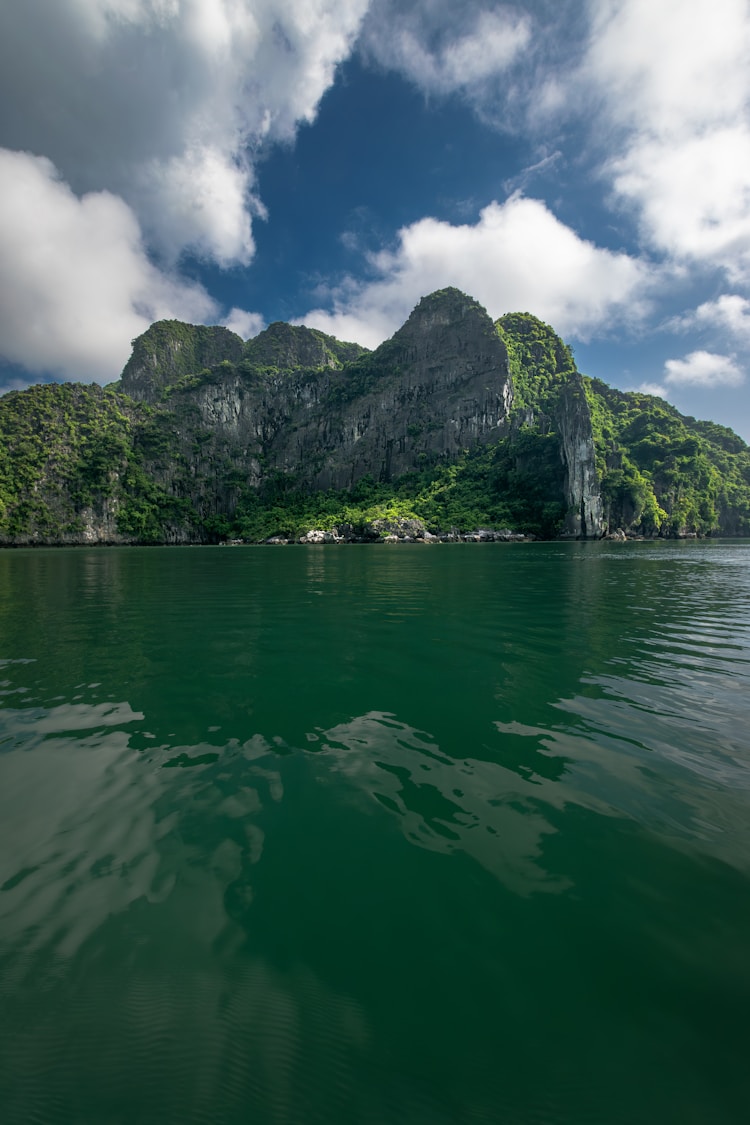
(674,83)
(655,389)
(129,130)
(703,369)
(670,66)
(77,283)
(510,62)
(662,89)
(518,256)
(729,314)
(427,44)
(693,195)
(159,101)
(245,324)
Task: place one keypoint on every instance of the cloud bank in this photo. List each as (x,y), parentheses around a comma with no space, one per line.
(163,101)
(674,84)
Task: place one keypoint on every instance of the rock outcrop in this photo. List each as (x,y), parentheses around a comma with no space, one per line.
(170,350)
(585,519)
(439,385)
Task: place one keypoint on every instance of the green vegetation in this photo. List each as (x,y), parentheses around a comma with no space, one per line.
(363,374)
(69,453)
(660,473)
(540,363)
(286,347)
(664,473)
(484,487)
(170,352)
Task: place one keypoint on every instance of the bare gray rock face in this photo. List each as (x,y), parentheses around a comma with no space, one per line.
(296,404)
(585,515)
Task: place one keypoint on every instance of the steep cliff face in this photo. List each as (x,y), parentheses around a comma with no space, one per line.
(551,394)
(666,474)
(440,385)
(65,475)
(585,517)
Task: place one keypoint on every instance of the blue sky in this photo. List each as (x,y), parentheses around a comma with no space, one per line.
(331,161)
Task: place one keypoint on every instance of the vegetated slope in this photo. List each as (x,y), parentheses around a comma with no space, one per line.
(659,472)
(665,473)
(454,422)
(71,470)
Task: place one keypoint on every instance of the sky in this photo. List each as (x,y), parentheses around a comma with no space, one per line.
(330,162)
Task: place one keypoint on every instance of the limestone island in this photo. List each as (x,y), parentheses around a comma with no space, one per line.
(457,428)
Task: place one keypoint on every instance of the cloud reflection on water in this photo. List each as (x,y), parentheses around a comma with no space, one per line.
(477,807)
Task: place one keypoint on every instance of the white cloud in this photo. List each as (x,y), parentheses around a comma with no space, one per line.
(673,79)
(693,195)
(245,324)
(158,100)
(129,128)
(655,389)
(511,62)
(444,58)
(703,369)
(662,89)
(673,66)
(729,313)
(202,199)
(76,281)
(493,43)
(518,256)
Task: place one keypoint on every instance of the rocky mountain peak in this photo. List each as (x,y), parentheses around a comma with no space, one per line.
(289,346)
(452,331)
(443,309)
(169,350)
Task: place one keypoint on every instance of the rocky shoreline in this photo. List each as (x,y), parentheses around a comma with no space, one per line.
(400,530)
(395,531)
(414,531)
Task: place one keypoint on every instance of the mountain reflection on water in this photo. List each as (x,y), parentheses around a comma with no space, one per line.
(359,834)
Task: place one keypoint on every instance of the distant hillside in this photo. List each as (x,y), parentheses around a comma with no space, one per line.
(453,424)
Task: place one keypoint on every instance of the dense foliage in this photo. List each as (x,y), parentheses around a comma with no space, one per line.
(665,473)
(68,451)
(482,488)
(660,472)
(540,363)
(287,347)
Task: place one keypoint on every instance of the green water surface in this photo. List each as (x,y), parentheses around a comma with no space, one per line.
(386,835)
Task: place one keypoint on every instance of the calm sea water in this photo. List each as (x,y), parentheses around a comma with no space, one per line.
(391,836)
